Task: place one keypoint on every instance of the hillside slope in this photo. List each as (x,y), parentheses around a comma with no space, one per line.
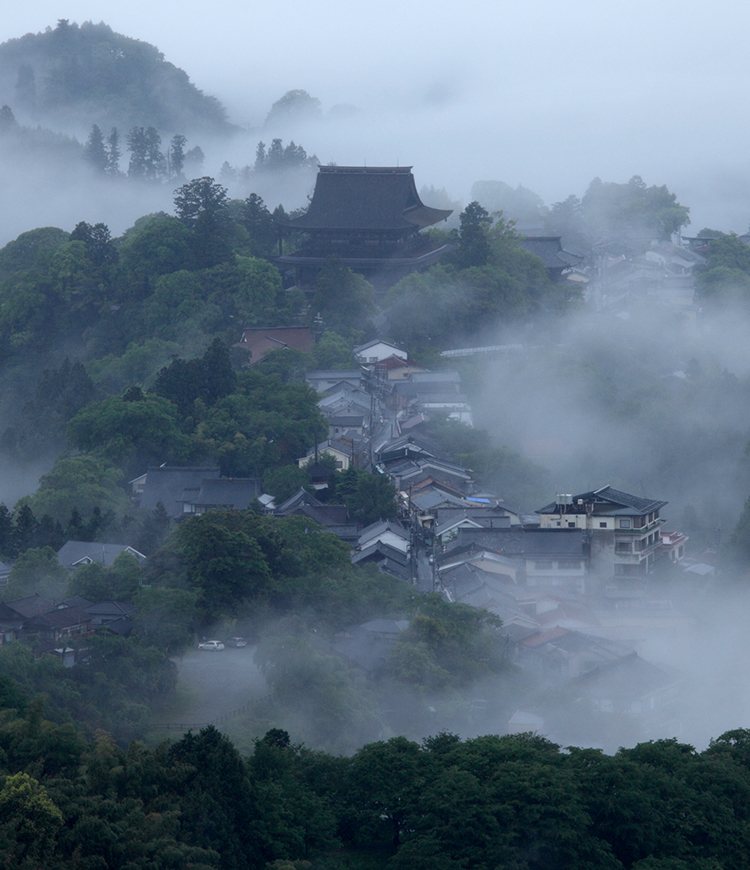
(72,77)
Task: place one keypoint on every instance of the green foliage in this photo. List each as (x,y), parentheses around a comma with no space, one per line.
(726,278)
(261,228)
(473,247)
(491,279)
(319,693)
(294,107)
(30,250)
(166,618)
(79,482)
(206,379)
(519,480)
(29,822)
(519,205)
(40,429)
(344,299)
(118,582)
(446,645)
(283,482)
(90,74)
(368,497)
(37,571)
(203,207)
(133,431)
(632,209)
(332,351)
(738,545)
(157,245)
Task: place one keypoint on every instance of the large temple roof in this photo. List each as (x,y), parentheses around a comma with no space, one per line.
(366,198)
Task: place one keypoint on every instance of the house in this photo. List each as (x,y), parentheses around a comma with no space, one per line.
(322,380)
(73,554)
(485,560)
(673,546)
(59,624)
(389,560)
(632,686)
(369,644)
(234,493)
(557,261)
(259,341)
(623,529)
(166,484)
(369,218)
(394,368)
(342,453)
(558,653)
(333,518)
(340,423)
(377,350)
(547,557)
(387,532)
(106,612)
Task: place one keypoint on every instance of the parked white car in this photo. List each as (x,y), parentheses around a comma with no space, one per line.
(211,645)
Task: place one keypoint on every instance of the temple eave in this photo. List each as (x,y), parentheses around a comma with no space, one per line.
(426,259)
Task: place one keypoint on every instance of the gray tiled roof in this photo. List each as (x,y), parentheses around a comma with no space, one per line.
(607,501)
(366,198)
(74,552)
(529,543)
(234,492)
(167,484)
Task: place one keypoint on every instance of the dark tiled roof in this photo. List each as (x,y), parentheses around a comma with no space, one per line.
(529,543)
(58,619)
(377,551)
(234,492)
(628,678)
(366,198)
(607,502)
(31,605)
(111,608)
(167,484)
(74,553)
(326,514)
(550,252)
(300,498)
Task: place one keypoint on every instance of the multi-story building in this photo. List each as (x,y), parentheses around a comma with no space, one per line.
(623,530)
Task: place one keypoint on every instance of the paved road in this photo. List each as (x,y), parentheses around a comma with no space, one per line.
(215,683)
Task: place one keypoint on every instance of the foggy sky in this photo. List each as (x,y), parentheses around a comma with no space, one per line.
(544,94)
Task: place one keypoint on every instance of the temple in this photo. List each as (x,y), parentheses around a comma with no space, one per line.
(368,217)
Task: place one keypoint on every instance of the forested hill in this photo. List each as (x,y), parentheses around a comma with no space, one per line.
(72,77)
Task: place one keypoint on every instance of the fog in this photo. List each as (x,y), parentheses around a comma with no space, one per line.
(540,94)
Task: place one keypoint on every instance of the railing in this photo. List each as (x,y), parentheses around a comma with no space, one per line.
(194,726)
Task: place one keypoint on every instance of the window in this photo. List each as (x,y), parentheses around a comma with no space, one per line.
(626,570)
(602,525)
(571,525)
(623,548)
(542,565)
(624,524)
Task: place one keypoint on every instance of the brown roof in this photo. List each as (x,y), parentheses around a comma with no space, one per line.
(260,341)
